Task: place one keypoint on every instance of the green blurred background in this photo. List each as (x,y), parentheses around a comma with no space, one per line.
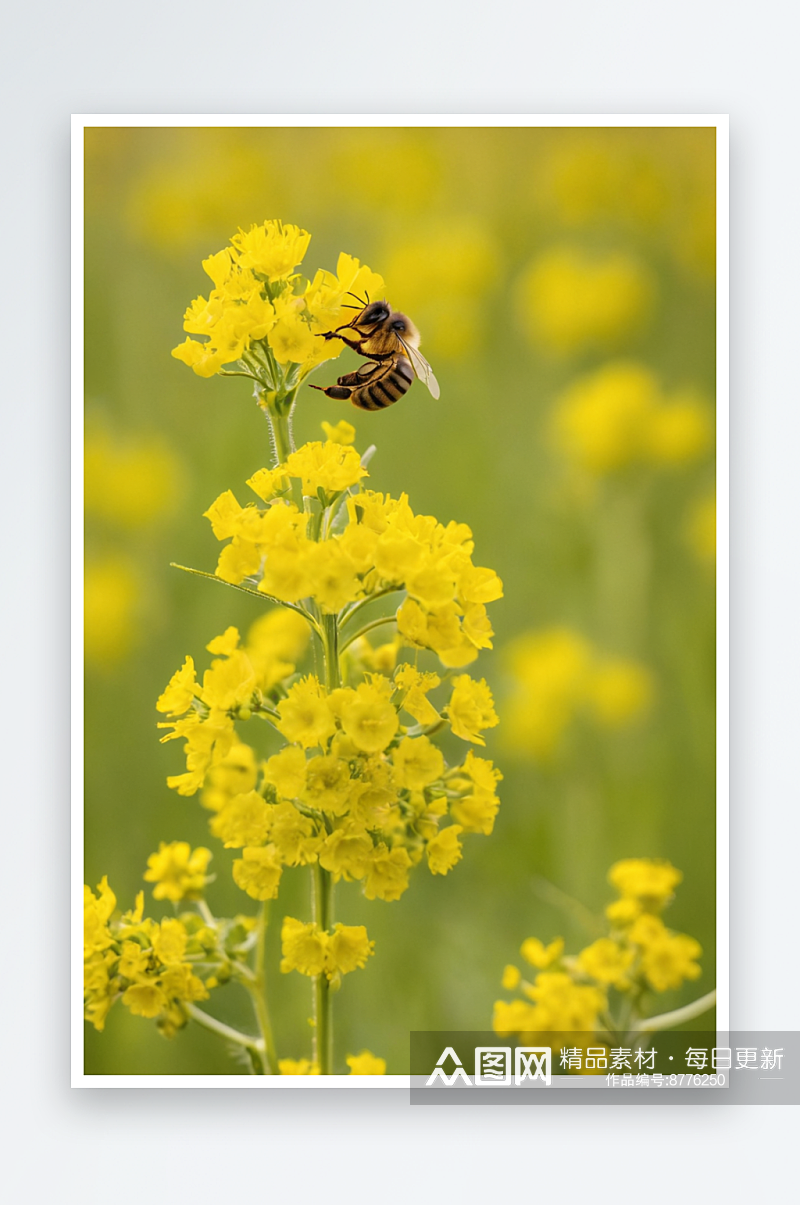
(563,281)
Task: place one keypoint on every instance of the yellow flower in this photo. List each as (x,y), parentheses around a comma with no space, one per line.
(346,853)
(180,983)
(245,820)
(111,596)
(297,1067)
(294,836)
(133,960)
(445,850)
(342,433)
(281,632)
(606,962)
(416,686)
(348,949)
(304,947)
(681,431)
(331,467)
(286,771)
(511,977)
(234,774)
(169,942)
(131,482)
(258,872)
(557,674)
(602,421)
(569,300)
(292,340)
(666,958)
(617,691)
(539,955)
(272,249)
(513,1017)
(368,718)
(565,1005)
(417,763)
(96,912)
(327,785)
(145,999)
(387,874)
(305,717)
(471,709)
(623,912)
(335,582)
(650,881)
(267,483)
(366,1064)
(178,872)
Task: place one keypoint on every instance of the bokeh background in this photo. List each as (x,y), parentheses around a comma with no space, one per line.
(563,281)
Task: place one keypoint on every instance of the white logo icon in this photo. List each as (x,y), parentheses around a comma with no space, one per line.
(493,1066)
(458,1072)
(532,1062)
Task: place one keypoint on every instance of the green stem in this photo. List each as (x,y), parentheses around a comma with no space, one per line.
(330,645)
(222,1030)
(279,433)
(259,991)
(321,911)
(678,1015)
(352,610)
(322,882)
(376,623)
(259,594)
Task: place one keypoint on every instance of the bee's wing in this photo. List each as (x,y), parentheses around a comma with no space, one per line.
(421,367)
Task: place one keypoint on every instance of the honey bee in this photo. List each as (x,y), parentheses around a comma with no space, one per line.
(389,341)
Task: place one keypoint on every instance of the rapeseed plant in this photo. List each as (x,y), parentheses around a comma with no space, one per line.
(358,789)
(606,989)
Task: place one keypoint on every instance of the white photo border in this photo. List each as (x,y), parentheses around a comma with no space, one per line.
(80,122)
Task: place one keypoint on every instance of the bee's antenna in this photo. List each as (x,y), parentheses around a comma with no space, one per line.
(358,299)
(345,306)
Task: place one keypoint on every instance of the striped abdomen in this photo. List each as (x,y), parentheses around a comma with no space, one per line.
(385,385)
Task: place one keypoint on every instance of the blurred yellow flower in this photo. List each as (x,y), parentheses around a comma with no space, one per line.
(681,430)
(619,416)
(648,881)
(196,186)
(557,675)
(111,600)
(366,1064)
(297,1067)
(178,871)
(129,482)
(569,300)
(441,277)
(618,691)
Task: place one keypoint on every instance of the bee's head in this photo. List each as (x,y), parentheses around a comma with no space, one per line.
(374,314)
(402,325)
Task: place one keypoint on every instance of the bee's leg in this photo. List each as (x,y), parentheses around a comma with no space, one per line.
(340,392)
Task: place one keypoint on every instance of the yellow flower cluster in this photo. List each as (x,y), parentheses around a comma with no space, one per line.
(619,416)
(382,547)
(571,992)
(360,789)
(150,965)
(353,790)
(557,675)
(239,680)
(261,312)
(313,951)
